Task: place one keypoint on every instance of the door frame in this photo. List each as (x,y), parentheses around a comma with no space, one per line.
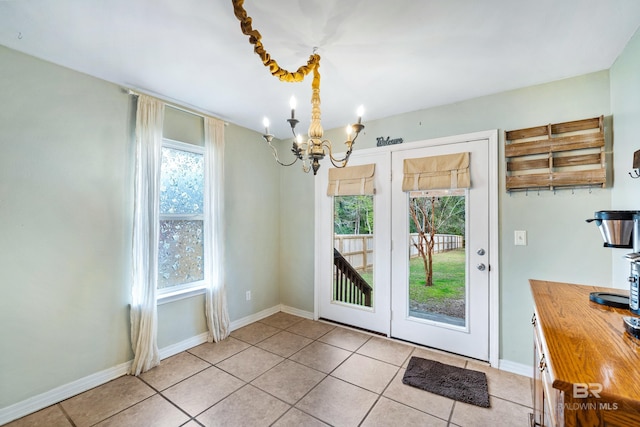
(493,249)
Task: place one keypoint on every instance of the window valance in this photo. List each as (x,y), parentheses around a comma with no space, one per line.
(437,172)
(351,181)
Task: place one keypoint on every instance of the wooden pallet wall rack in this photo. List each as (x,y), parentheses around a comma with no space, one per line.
(560,155)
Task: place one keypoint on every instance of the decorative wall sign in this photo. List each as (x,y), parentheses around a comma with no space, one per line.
(382,142)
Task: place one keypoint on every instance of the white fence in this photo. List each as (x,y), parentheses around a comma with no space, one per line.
(358,248)
(443,243)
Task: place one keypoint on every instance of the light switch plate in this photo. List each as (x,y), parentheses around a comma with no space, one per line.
(520,238)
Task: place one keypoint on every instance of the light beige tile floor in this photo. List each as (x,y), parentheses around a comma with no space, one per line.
(288,371)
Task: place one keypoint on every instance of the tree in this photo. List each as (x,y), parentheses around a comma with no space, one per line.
(431,215)
(353,215)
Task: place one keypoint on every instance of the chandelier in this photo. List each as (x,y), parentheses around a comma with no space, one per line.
(314,149)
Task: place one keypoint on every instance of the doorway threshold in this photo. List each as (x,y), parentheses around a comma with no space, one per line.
(436,317)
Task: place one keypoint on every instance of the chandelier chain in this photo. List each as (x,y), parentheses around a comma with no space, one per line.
(255,38)
(314,148)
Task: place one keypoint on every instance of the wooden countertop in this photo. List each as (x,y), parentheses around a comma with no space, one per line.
(586,342)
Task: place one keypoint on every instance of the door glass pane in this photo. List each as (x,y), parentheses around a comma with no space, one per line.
(437,258)
(353,250)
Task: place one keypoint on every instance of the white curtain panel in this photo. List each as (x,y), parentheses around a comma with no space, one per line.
(216,298)
(144,316)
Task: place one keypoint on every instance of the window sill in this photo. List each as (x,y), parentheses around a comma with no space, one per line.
(181,294)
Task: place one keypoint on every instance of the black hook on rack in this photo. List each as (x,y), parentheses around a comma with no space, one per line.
(636,165)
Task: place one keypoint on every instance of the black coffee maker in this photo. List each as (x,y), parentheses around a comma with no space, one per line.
(621,229)
(634,259)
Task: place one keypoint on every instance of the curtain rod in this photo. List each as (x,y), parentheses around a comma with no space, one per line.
(173,104)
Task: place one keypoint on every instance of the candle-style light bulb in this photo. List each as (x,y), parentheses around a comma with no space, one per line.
(265,123)
(349,132)
(360,112)
(292,104)
(299,139)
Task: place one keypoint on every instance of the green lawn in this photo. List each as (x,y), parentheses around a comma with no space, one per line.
(448,277)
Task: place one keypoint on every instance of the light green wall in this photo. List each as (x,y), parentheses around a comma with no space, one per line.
(252,193)
(183,126)
(625,105)
(66,204)
(297,225)
(65,212)
(561,246)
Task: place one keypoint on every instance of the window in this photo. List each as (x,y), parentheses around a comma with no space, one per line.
(178,228)
(182,214)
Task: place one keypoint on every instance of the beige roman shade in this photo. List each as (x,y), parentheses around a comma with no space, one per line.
(437,172)
(351,181)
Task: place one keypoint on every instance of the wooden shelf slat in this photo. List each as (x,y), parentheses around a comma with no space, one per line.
(595,177)
(527,133)
(577,125)
(521,165)
(555,145)
(580,160)
(558,162)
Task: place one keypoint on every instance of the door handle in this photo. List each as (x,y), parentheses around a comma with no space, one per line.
(481,267)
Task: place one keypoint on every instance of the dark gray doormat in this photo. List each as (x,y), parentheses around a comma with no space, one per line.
(455,383)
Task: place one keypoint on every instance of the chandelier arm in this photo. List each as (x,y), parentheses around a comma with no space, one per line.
(339,163)
(275,156)
(255,38)
(342,160)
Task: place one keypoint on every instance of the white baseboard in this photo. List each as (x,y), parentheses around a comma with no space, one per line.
(296,312)
(81,385)
(61,393)
(181,346)
(237,324)
(516,368)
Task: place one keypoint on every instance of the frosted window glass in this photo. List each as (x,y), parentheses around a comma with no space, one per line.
(181,182)
(180,258)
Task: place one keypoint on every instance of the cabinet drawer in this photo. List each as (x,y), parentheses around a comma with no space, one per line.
(552,399)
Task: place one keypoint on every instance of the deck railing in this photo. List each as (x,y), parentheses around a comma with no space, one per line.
(349,286)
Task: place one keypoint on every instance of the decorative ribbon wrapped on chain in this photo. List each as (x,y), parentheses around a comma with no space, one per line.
(255,38)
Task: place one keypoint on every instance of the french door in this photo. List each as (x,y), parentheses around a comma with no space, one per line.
(444,297)
(364,247)
(450,309)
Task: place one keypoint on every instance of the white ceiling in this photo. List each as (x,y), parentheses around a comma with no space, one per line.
(392,56)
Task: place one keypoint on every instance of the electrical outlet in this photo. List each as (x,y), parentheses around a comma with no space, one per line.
(520,238)
(248,295)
